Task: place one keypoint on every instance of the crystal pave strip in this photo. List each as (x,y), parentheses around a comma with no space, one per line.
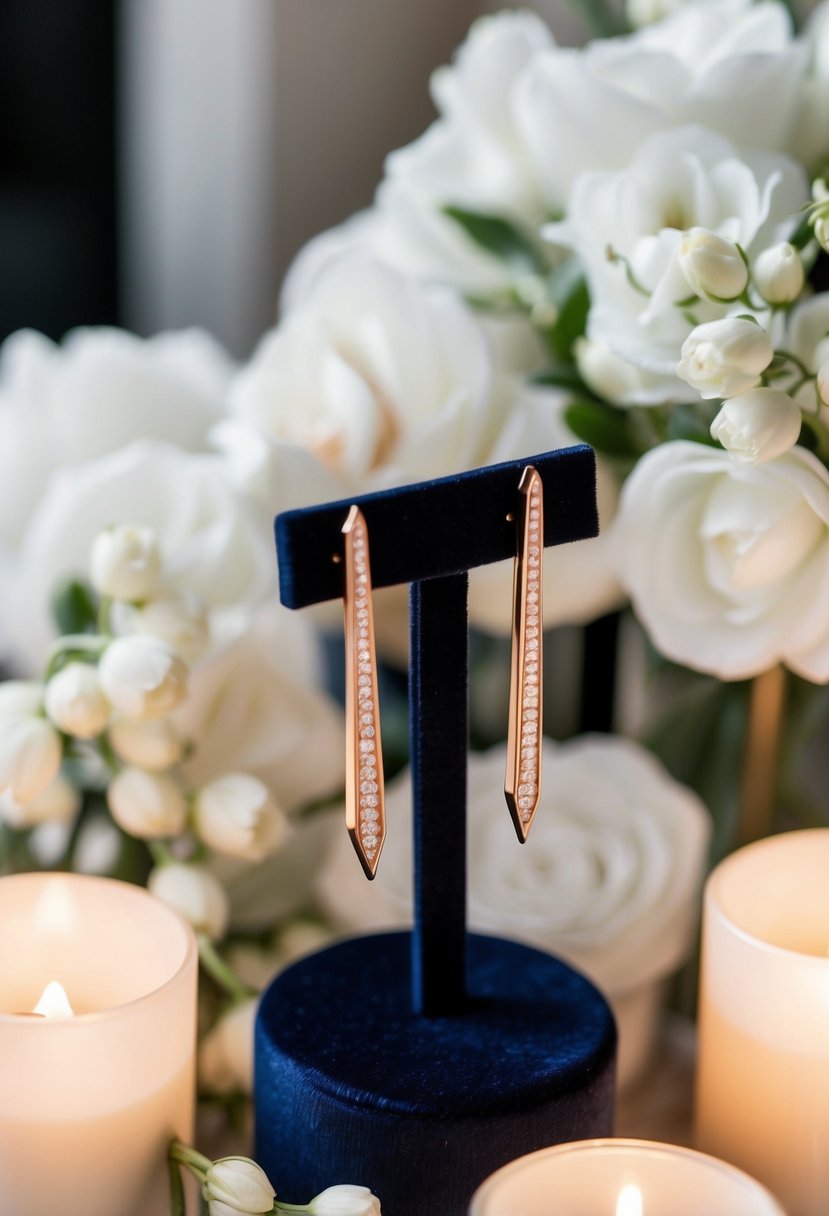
(364,812)
(522,785)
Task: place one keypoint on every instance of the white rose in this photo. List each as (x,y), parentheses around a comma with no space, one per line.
(30,757)
(226,1052)
(142,677)
(147,805)
(75,702)
(611,881)
(758,425)
(778,274)
(613,378)
(179,620)
(237,1184)
(724,358)
(195,894)
(235,814)
(58,804)
(152,744)
(728,563)
(345,1200)
(125,562)
(714,267)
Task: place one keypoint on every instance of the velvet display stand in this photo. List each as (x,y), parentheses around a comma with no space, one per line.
(417,1064)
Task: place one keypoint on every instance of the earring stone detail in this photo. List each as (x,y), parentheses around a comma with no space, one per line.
(522,784)
(364,810)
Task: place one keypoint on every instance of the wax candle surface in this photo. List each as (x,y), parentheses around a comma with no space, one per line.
(763,1076)
(621,1178)
(90,1100)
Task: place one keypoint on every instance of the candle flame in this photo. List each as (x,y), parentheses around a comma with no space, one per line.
(630,1201)
(54,1003)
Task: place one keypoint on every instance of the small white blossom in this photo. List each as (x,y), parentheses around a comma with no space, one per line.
(152,744)
(724,358)
(236,814)
(148,805)
(20,698)
(713,266)
(125,563)
(58,804)
(226,1052)
(758,425)
(178,620)
(30,757)
(345,1200)
(237,1184)
(195,894)
(778,274)
(823,383)
(75,702)
(142,677)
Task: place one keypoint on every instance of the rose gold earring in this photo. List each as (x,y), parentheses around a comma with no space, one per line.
(522,783)
(364,810)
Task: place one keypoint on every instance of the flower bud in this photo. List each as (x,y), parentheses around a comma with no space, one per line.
(148,805)
(235,814)
(142,677)
(713,266)
(20,698)
(178,620)
(74,701)
(758,425)
(125,562)
(823,383)
(152,744)
(609,375)
(821,230)
(237,1184)
(345,1200)
(724,358)
(30,757)
(59,803)
(226,1052)
(778,274)
(195,894)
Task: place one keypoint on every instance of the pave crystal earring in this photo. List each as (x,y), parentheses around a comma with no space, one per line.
(364,811)
(522,783)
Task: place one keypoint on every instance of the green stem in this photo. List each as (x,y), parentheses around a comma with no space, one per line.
(799,364)
(72,643)
(190,1158)
(218,969)
(104,616)
(290,1207)
(160,853)
(177,1207)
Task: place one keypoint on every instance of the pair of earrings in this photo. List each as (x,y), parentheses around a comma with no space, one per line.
(365,813)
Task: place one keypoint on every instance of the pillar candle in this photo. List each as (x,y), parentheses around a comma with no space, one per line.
(763,1078)
(92,1092)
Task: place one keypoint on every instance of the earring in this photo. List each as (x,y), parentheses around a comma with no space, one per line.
(522,784)
(364,811)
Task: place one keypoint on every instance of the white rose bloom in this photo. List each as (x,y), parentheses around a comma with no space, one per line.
(149,743)
(758,425)
(30,757)
(147,805)
(237,1184)
(125,562)
(57,805)
(728,563)
(236,815)
(345,1200)
(713,267)
(723,358)
(195,894)
(142,677)
(226,1052)
(75,702)
(180,620)
(619,849)
(778,274)
(678,182)
(810,143)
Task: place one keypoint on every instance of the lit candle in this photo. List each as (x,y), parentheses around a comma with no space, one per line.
(621,1178)
(763,1079)
(97,1043)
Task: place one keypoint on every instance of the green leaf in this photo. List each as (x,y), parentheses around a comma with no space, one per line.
(74,609)
(803,234)
(606,429)
(685,422)
(568,292)
(501,238)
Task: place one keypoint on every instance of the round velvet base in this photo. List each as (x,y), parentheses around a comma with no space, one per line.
(351,1086)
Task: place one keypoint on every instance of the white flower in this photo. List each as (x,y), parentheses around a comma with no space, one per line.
(823,383)
(180,620)
(807,337)
(728,563)
(611,377)
(237,1184)
(58,804)
(20,698)
(30,757)
(758,425)
(713,266)
(148,805)
(235,814)
(617,854)
(125,562)
(821,231)
(723,358)
(345,1200)
(142,677)
(646,12)
(778,274)
(151,744)
(75,703)
(195,894)
(226,1052)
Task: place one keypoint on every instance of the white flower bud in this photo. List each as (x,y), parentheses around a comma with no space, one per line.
(758,425)
(724,358)
(142,677)
(178,620)
(236,814)
(149,805)
(607,374)
(30,757)
(152,744)
(226,1052)
(821,230)
(345,1200)
(20,698)
(125,562)
(823,383)
(778,274)
(58,804)
(713,266)
(74,701)
(237,1184)
(195,894)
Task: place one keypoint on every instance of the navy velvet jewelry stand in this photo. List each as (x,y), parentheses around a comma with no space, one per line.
(416,1064)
